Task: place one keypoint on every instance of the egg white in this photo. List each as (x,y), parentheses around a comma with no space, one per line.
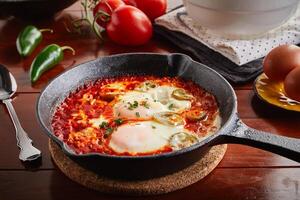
(122,109)
(142,137)
(158,99)
(163,94)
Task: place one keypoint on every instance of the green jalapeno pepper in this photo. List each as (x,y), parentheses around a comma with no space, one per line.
(50,56)
(28,39)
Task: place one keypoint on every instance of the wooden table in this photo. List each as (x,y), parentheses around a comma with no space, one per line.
(244,173)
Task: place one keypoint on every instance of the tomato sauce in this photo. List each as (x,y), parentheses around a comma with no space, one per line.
(71,119)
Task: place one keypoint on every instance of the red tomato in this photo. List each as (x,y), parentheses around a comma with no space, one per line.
(152,8)
(107,6)
(292,84)
(129,2)
(129,26)
(280,61)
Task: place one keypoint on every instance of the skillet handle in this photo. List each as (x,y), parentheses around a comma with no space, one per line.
(284,146)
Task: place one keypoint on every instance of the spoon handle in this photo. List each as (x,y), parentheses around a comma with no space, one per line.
(27,151)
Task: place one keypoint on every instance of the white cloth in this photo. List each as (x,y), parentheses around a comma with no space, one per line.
(238,51)
(172,4)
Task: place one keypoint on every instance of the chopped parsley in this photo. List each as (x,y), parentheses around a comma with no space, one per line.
(133,105)
(150,84)
(171,106)
(137,114)
(154,127)
(108,131)
(118,121)
(104,125)
(145,104)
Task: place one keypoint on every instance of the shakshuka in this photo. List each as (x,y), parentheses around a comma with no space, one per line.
(136,115)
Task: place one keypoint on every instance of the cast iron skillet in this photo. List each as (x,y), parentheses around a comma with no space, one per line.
(32,9)
(233,130)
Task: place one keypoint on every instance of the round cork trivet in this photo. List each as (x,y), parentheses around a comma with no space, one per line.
(160,185)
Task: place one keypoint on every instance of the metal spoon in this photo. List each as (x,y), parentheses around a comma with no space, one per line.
(8,87)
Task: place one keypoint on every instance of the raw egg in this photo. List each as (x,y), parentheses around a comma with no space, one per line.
(280,61)
(292,84)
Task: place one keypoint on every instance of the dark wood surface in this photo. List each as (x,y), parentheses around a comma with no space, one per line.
(244,173)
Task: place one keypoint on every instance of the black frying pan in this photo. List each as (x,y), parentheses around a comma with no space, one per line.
(233,130)
(32,8)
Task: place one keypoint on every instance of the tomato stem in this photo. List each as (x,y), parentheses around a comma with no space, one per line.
(104,16)
(96,30)
(77,24)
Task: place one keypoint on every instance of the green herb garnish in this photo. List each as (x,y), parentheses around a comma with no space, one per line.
(104,125)
(137,114)
(133,105)
(145,104)
(150,84)
(118,121)
(108,131)
(171,106)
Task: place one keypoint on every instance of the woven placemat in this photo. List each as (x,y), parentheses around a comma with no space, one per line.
(160,185)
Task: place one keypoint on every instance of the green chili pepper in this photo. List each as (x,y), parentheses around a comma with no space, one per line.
(28,39)
(50,56)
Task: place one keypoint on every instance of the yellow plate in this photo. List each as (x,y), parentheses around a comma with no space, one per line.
(273,93)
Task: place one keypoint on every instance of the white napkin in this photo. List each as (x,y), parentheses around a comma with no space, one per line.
(238,51)
(172,4)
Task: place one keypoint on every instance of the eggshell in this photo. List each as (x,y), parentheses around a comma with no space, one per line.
(292,84)
(280,61)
